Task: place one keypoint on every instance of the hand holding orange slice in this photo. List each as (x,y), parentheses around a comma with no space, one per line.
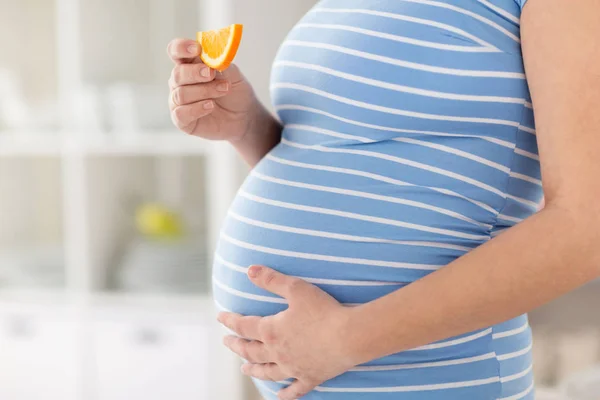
(220,46)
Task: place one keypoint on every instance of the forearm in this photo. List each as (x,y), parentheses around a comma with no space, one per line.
(544,257)
(263,134)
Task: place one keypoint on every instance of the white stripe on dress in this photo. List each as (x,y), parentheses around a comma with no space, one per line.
(501,11)
(392,111)
(413,388)
(519,375)
(515,354)
(524,201)
(527,129)
(509,218)
(397,87)
(405,64)
(410,163)
(460,153)
(371,176)
(361,217)
(440,147)
(328,258)
(421,21)
(317,281)
(527,154)
(367,195)
(255,297)
(423,143)
(221,307)
(418,388)
(294,107)
(521,395)
(475,15)
(511,332)
(526,178)
(454,342)
(248,296)
(435,364)
(339,236)
(397,38)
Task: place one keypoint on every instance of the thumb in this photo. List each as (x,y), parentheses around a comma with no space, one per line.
(232,74)
(285,286)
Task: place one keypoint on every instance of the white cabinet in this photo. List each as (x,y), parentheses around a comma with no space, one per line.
(37,354)
(150,358)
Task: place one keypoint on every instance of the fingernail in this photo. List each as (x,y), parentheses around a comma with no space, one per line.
(209,105)
(193,49)
(223,87)
(254,271)
(205,72)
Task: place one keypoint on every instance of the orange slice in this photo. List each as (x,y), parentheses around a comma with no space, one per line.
(219,47)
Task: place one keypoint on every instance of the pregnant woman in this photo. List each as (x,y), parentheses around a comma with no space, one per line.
(390,216)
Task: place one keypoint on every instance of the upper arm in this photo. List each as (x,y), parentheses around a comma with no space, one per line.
(561,49)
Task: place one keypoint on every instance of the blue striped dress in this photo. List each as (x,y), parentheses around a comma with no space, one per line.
(408,141)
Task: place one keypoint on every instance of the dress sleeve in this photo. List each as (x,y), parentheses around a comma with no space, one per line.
(521,3)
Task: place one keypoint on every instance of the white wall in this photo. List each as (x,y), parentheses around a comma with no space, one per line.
(28,45)
(30,201)
(127,39)
(266,23)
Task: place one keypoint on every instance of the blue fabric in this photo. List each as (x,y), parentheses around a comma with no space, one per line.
(521,3)
(409,140)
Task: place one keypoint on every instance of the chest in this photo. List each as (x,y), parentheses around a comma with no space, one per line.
(454,59)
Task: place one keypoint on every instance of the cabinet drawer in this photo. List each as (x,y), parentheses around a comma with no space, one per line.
(38,355)
(150,359)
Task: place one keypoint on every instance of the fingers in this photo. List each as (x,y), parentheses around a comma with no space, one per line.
(264,372)
(190,94)
(295,391)
(278,283)
(246,327)
(250,350)
(183,50)
(186,115)
(189,74)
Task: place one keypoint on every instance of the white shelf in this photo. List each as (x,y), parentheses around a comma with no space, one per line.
(31,296)
(180,303)
(175,143)
(131,144)
(30,144)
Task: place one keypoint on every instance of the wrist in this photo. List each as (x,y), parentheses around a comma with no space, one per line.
(258,119)
(358,340)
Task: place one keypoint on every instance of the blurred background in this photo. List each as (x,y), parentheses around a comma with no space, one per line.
(108,215)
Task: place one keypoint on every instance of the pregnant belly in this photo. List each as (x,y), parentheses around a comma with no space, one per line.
(359,233)
(359,230)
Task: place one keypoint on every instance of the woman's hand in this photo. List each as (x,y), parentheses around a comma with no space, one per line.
(306,342)
(218,106)
(207,103)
